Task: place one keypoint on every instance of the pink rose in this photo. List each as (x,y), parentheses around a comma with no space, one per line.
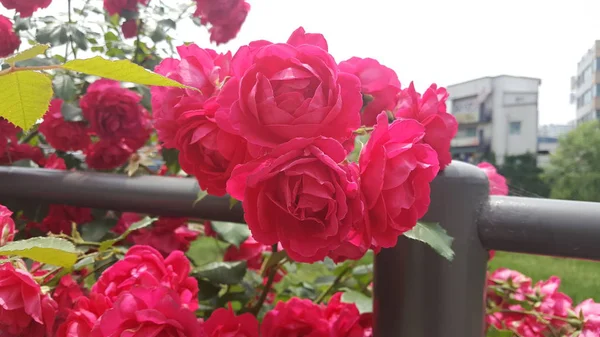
(250,251)
(25,8)
(297,317)
(108,154)
(302,195)
(145,266)
(591,318)
(114,112)
(119,6)
(379,85)
(291,92)
(203,69)
(430,110)
(81,320)
(7,226)
(54,162)
(554,303)
(224,323)
(225,16)
(129,28)
(395,171)
(61,134)
(498,184)
(145,311)
(9,40)
(300,37)
(24,309)
(207,150)
(344,318)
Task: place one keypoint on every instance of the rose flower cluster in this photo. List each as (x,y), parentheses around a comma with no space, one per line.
(273,126)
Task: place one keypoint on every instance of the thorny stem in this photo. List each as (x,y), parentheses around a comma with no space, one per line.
(263,296)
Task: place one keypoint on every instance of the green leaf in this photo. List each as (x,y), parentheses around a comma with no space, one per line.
(273,260)
(223,272)
(50,250)
(201,195)
(158,35)
(71,113)
(145,222)
(207,290)
(233,233)
(493,332)
(205,250)
(27,54)
(121,70)
(55,35)
(78,37)
(25,97)
(64,87)
(433,235)
(362,302)
(97,229)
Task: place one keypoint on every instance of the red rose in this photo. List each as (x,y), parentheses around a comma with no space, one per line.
(203,69)
(60,218)
(66,294)
(24,309)
(297,317)
(291,92)
(114,112)
(61,134)
(8,134)
(300,37)
(7,226)
(108,154)
(497,181)
(144,265)
(430,110)
(224,323)
(118,6)
(249,251)
(379,85)
(54,162)
(395,171)
(206,150)
(225,16)
(299,195)
(25,8)
(344,318)
(129,28)
(81,320)
(16,152)
(9,40)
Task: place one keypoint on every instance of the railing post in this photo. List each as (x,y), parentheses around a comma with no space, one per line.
(417,293)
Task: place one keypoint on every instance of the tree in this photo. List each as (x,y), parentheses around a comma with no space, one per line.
(524,176)
(573,172)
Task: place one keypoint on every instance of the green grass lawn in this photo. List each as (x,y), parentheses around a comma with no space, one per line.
(580,279)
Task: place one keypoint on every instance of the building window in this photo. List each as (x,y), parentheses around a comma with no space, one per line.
(470,132)
(514,128)
(597,90)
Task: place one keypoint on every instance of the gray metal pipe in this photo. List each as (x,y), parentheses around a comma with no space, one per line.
(541,226)
(169,196)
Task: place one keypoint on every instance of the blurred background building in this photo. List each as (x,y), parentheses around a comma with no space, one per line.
(585,86)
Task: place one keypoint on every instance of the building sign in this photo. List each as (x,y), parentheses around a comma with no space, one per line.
(466,110)
(467,117)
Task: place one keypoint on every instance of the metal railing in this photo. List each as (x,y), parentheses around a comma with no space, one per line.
(416,292)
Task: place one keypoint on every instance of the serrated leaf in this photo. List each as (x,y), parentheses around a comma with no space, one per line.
(205,250)
(64,87)
(233,233)
(121,70)
(50,250)
(96,230)
(223,272)
(363,303)
(27,54)
(433,235)
(145,222)
(25,97)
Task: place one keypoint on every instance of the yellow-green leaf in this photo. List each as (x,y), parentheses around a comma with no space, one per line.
(120,70)
(24,97)
(50,250)
(27,54)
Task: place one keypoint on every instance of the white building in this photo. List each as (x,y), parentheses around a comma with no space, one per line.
(548,140)
(585,86)
(497,114)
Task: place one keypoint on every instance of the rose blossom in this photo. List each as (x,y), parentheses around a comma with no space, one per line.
(144,311)
(108,154)
(8,134)
(224,323)
(9,40)
(144,265)
(225,16)
(16,152)
(498,184)
(344,318)
(207,150)
(199,68)
(249,251)
(118,6)
(591,318)
(430,110)
(60,218)
(395,171)
(379,85)
(521,290)
(129,28)
(7,226)
(81,320)
(296,317)
(294,91)
(61,134)
(299,195)
(24,309)
(300,37)
(114,112)
(25,8)
(54,162)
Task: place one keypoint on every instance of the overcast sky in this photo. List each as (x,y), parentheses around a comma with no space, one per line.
(441,41)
